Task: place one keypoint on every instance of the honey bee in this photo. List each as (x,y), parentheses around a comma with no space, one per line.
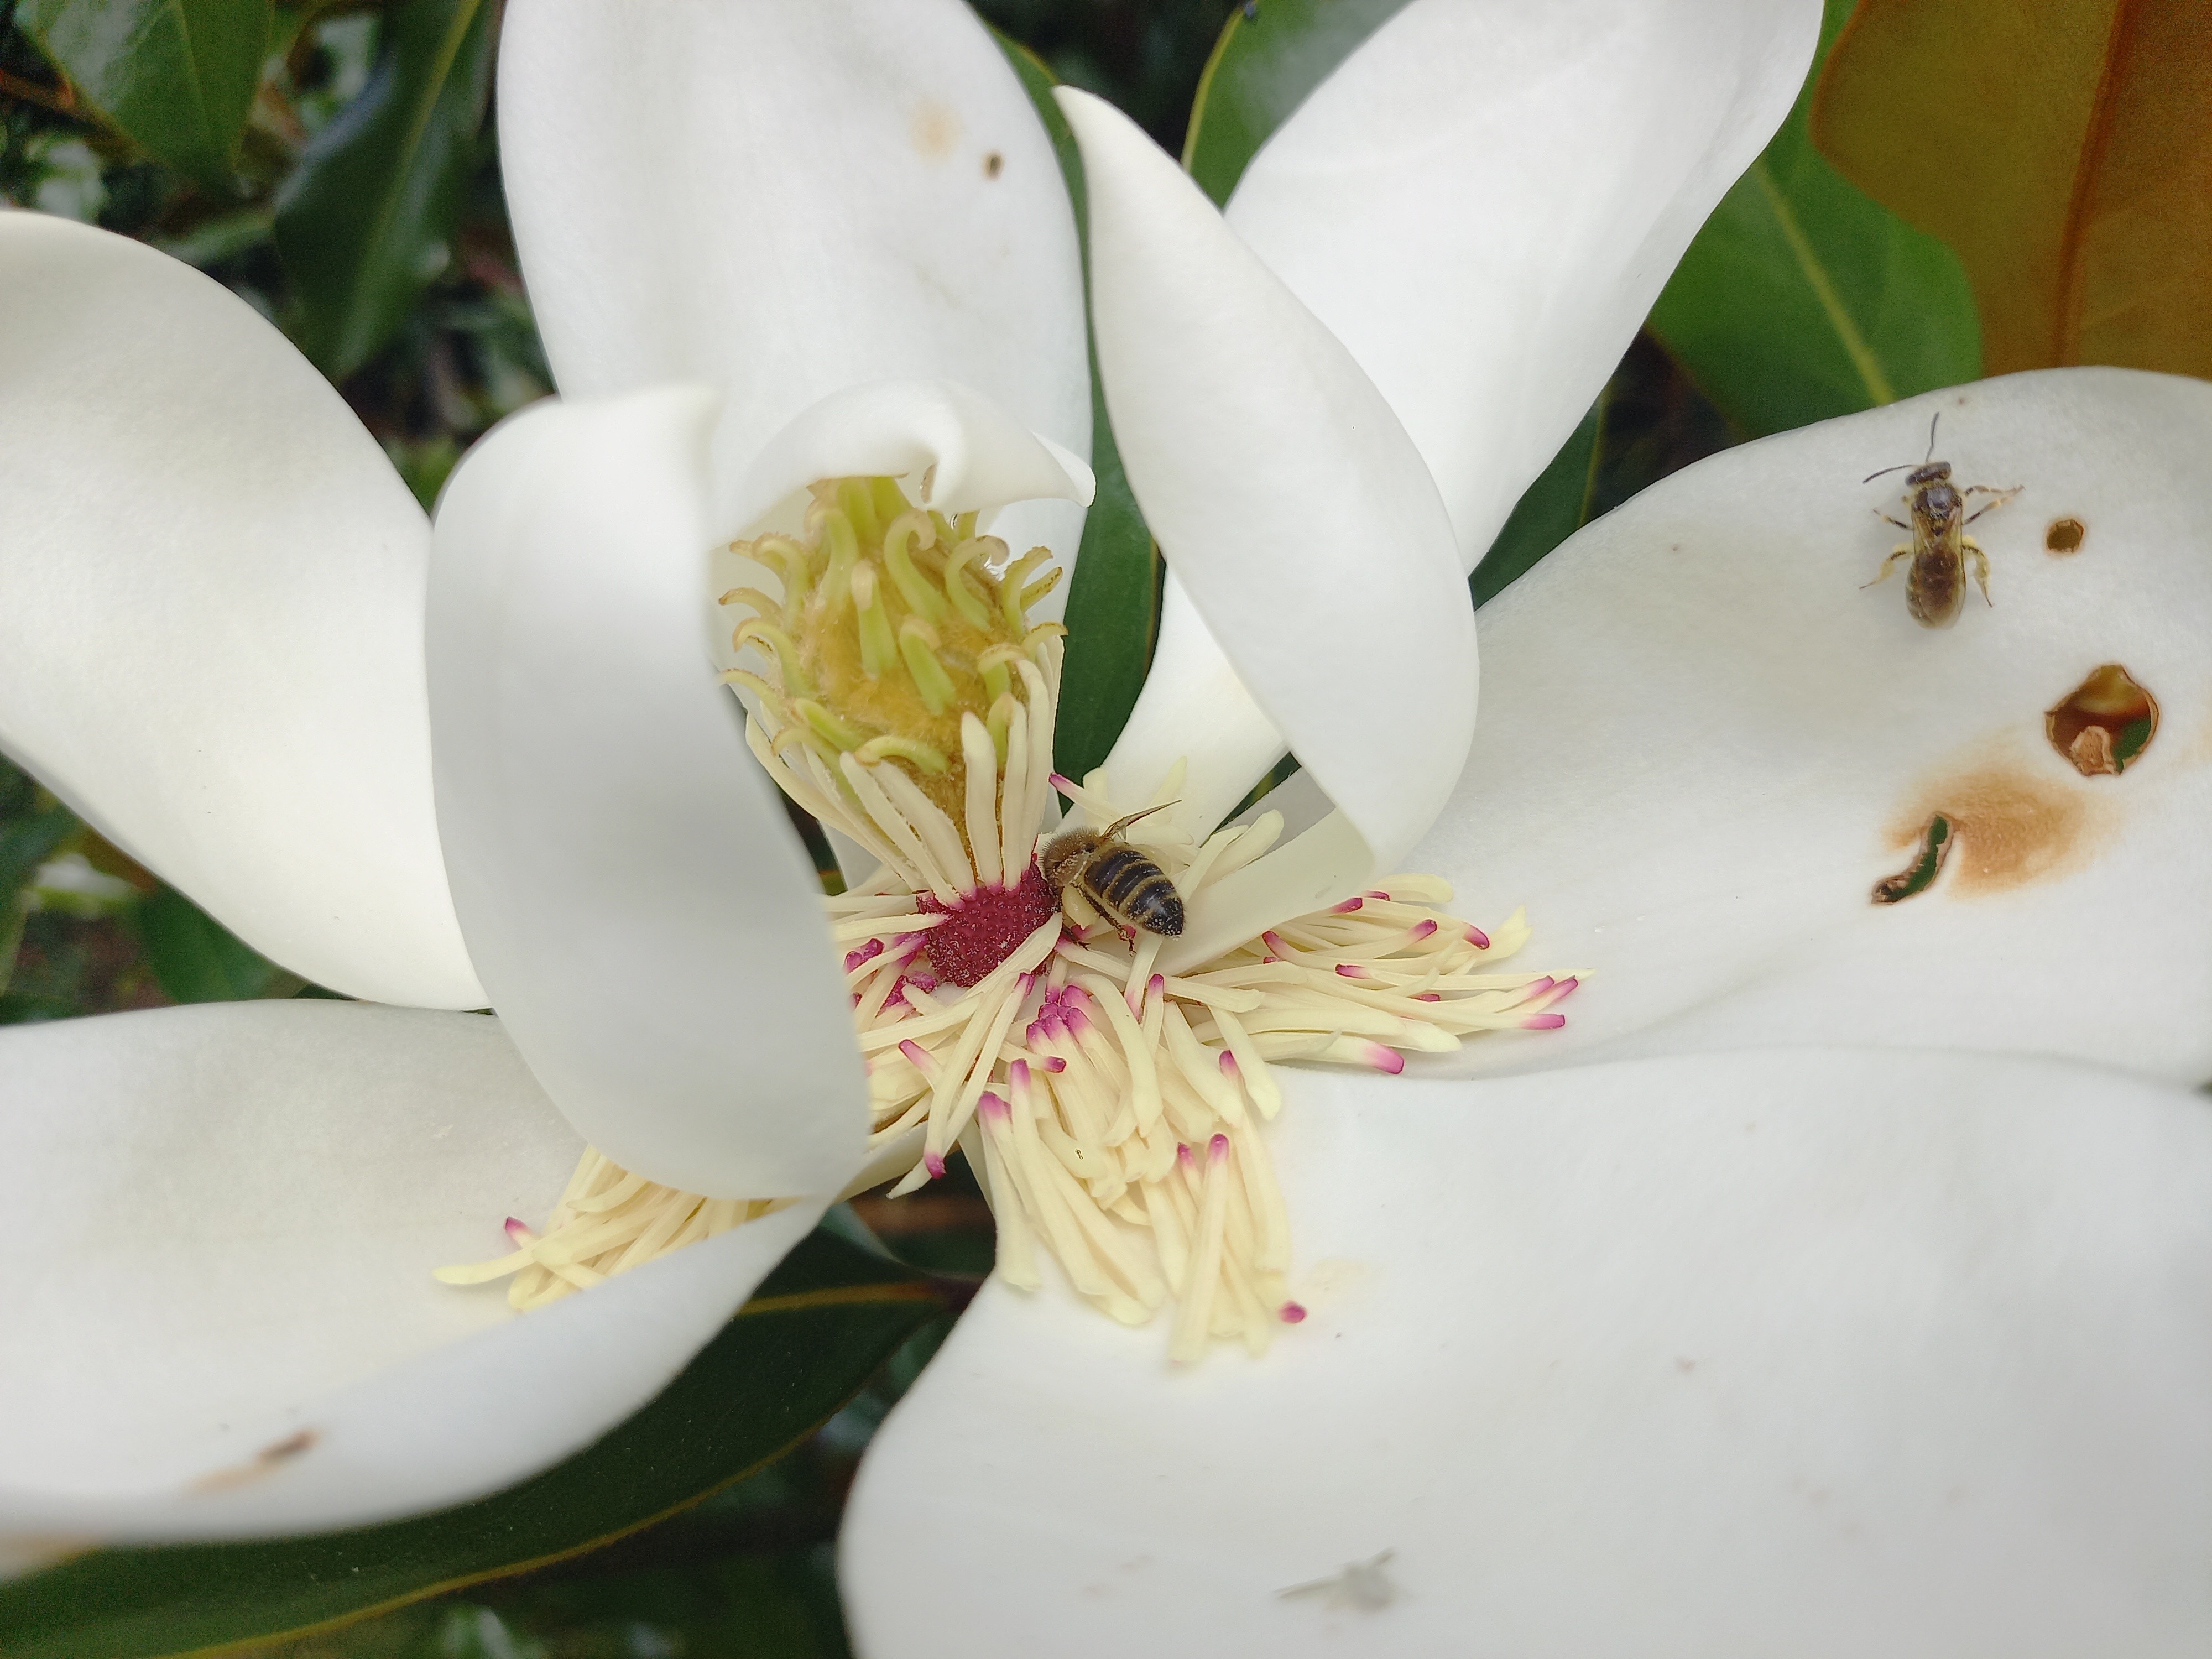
(1936,584)
(1125,884)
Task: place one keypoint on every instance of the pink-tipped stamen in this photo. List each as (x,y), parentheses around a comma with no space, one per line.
(1346,908)
(1477,937)
(1543,1022)
(1292,1313)
(934,1162)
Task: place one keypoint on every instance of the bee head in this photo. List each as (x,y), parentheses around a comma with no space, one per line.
(1934,472)
(1937,500)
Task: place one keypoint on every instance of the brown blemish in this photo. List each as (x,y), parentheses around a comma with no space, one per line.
(2064,536)
(934,129)
(2105,725)
(994,165)
(2011,827)
(262,1464)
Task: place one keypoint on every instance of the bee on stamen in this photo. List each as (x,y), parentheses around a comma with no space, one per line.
(1124,885)
(1935,582)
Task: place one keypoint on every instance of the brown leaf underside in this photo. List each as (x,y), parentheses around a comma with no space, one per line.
(2062,150)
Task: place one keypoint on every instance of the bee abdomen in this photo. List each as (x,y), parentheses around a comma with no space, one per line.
(1134,887)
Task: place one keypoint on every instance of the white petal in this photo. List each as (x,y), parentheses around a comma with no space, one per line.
(225,1221)
(642,912)
(1814,1352)
(786,199)
(963,452)
(1483,200)
(211,613)
(1286,495)
(1701,745)
(1193,707)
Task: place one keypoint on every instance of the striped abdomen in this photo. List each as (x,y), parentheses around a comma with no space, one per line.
(1132,890)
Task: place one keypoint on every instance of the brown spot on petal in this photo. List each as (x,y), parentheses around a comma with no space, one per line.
(934,129)
(263,1463)
(994,165)
(2011,827)
(2105,725)
(2064,536)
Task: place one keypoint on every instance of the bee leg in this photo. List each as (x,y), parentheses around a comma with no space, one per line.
(1888,565)
(1973,549)
(2002,496)
(1885,519)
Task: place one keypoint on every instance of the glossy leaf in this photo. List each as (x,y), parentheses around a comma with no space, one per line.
(1113,601)
(194,958)
(803,1346)
(1266,63)
(365,224)
(2066,155)
(1802,298)
(176,77)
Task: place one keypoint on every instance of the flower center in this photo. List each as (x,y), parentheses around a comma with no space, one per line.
(1114,1113)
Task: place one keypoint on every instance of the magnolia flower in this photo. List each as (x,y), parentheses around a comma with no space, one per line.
(502,773)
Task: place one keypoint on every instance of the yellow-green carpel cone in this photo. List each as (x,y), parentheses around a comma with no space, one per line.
(896,628)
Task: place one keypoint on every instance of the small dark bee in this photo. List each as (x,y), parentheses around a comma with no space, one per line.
(1125,884)
(1939,550)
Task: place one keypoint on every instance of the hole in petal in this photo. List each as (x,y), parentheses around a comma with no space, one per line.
(1935,842)
(2105,725)
(2012,827)
(2064,536)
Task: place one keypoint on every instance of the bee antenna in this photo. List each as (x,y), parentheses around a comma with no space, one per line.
(1901,466)
(1120,825)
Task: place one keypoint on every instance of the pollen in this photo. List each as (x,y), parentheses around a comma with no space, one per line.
(1116,1115)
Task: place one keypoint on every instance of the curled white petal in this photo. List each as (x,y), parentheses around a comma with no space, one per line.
(783,200)
(222,1315)
(960,451)
(1286,495)
(211,591)
(643,913)
(1483,201)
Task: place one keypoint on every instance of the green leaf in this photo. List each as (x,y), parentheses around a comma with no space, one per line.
(792,1356)
(177,77)
(1263,68)
(1113,604)
(1803,298)
(26,842)
(1550,510)
(195,958)
(366,222)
